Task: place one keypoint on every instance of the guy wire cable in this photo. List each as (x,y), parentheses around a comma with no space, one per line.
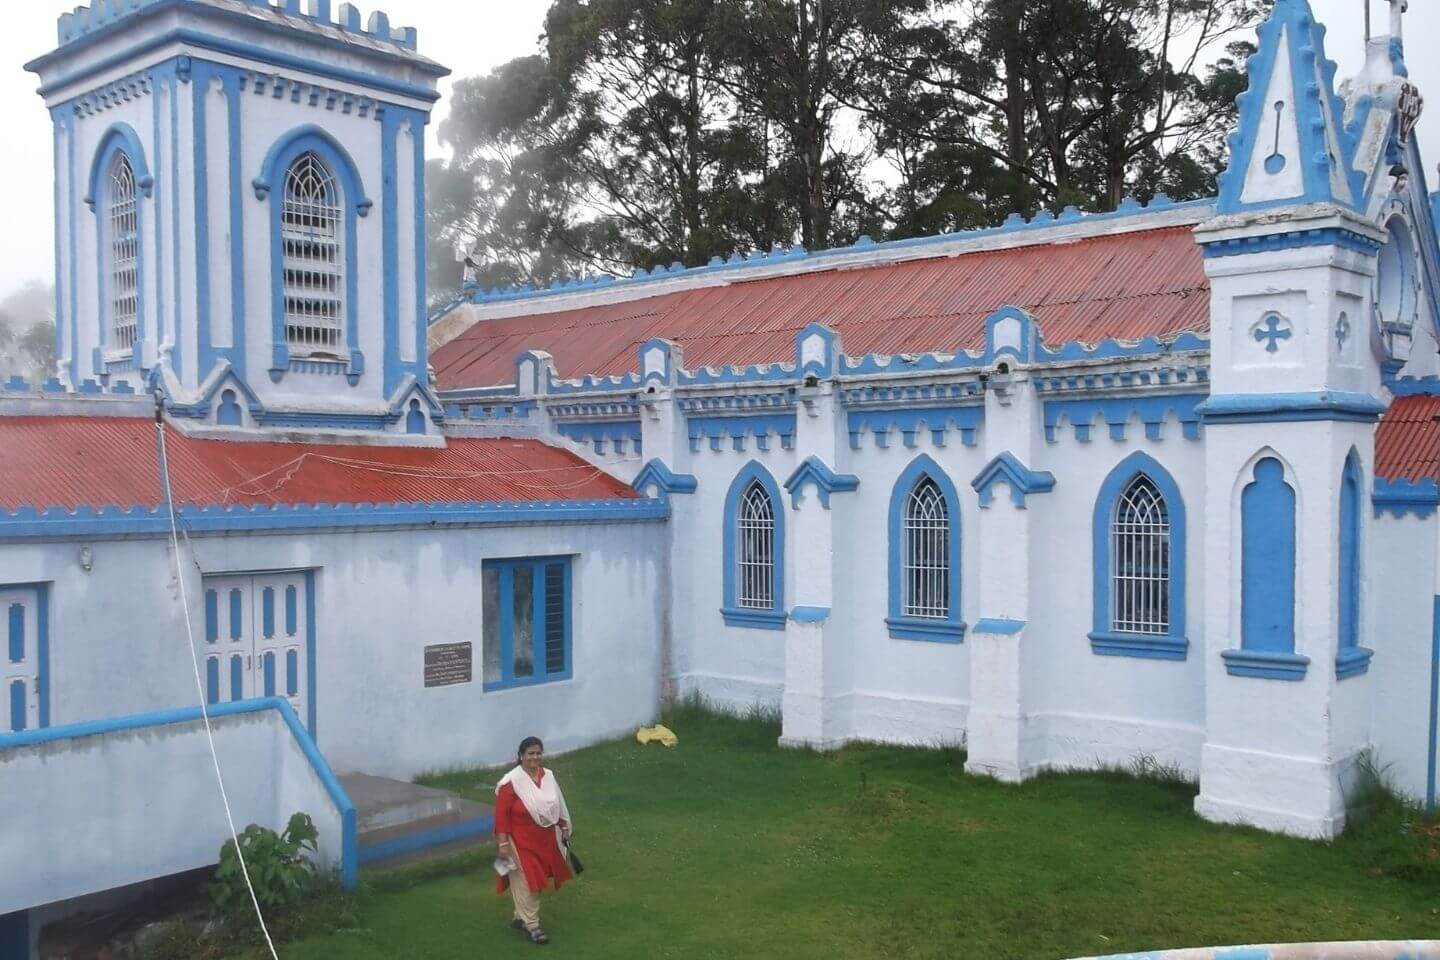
(195,664)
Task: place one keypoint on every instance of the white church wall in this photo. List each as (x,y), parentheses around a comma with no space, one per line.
(1401,558)
(117,635)
(734,667)
(1096,709)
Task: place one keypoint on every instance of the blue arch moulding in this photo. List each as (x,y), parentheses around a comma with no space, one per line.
(734,615)
(1351,658)
(270,182)
(120,138)
(813,470)
(1006,468)
(1105,640)
(665,481)
(947,629)
(1267,579)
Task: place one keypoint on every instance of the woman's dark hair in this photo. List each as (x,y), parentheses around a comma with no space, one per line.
(526,744)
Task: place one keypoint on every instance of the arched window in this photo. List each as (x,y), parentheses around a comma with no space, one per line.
(1139,563)
(926,552)
(754,553)
(925,556)
(124,248)
(1140,560)
(1351,658)
(312,236)
(755,558)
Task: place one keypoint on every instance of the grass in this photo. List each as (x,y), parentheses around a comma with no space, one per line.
(727,846)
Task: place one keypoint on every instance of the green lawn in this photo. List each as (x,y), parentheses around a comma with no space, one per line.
(726,846)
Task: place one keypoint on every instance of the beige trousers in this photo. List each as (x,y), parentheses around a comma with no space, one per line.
(527,901)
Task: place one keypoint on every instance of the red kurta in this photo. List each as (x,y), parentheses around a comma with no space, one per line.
(535,846)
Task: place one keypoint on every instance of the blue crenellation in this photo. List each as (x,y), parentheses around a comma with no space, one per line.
(85,21)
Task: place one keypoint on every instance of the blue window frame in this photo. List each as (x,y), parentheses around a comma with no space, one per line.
(526,621)
(1351,658)
(1138,561)
(754,553)
(924,558)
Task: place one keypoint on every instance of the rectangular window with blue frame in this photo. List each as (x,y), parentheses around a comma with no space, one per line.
(526,621)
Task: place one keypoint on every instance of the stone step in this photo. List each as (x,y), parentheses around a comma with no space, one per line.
(381,802)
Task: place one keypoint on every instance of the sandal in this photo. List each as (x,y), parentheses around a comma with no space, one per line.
(537,937)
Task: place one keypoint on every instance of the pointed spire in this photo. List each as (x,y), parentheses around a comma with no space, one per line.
(1291,145)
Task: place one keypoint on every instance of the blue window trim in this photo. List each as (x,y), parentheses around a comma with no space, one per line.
(506,569)
(1104,640)
(733,614)
(950,629)
(270,183)
(120,138)
(1351,659)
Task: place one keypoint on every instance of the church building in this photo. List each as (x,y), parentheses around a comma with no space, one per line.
(1156,485)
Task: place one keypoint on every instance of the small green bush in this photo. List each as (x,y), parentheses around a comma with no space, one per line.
(280,872)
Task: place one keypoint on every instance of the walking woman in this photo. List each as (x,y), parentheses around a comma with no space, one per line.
(532,825)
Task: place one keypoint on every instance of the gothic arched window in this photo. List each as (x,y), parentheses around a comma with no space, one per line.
(754,552)
(123,294)
(312,238)
(924,556)
(926,553)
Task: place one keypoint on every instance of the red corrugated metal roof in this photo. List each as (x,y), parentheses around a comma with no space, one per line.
(102,461)
(1407,443)
(1124,286)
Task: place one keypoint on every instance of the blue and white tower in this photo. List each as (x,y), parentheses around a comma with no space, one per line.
(240,211)
(1315,288)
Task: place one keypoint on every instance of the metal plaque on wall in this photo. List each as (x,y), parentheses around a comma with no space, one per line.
(447,663)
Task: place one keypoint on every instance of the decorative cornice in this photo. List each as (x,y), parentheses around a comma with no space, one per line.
(666,482)
(1289,407)
(1151,410)
(1324,237)
(1399,497)
(740,428)
(909,421)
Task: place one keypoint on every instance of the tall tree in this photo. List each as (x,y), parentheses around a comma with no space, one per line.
(27,332)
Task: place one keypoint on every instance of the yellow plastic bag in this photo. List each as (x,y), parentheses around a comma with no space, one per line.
(656,734)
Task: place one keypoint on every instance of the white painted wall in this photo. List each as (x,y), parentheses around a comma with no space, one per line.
(118,645)
(133,805)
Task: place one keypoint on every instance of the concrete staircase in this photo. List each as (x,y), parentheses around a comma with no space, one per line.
(401,823)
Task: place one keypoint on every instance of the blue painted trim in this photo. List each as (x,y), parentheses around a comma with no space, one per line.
(950,629)
(239,321)
(1290,407)
(118,138)
(1412,386)
(733,614)
(1294,240)
(270,183)
(909,421)
(273,55)
(57,131)
(1316,109)
(1399,497)
(1022,481)
(42,632)
(822,369)
(27,523)
(1104,640)
(389,248)
(810,614)
(999,625)
(424,839)
(155,87)
(741,429)
(349,859)
(1434,708)
(421,365)
(657,474)
(1118,411)
(200,213)
(1268,562)
(1265,665)
(1351,658)
(813,470)
(177,353)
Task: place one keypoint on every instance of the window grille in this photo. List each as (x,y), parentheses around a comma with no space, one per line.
(1140,560)
(927,552)
(757,550)
(310,225)
(124,248)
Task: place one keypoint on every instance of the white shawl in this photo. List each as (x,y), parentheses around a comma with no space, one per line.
(544,802)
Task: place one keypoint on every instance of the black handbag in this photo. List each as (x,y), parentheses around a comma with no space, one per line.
(576,867)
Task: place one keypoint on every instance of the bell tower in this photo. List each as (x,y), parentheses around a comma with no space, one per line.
(240,212)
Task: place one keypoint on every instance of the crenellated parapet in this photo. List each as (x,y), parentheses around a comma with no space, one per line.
(345,21)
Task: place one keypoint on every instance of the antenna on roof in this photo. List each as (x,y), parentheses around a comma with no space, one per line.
(1367,21)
